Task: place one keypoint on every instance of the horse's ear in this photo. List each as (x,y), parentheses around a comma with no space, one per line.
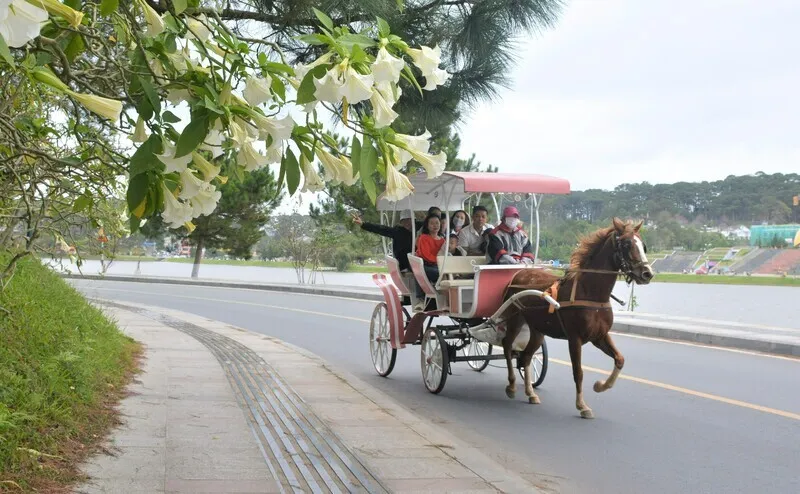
(619,225)
(638,226)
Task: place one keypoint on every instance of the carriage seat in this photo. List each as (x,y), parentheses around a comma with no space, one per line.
(458,265)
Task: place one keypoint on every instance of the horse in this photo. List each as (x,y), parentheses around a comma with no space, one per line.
(585,313)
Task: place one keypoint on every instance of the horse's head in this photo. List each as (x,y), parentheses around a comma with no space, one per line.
(630,252)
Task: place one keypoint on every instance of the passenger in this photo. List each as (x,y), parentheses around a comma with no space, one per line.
(459,219)
(400,235)
(452,247)
(428,245)
(470,238)
(508,243)
(433,210)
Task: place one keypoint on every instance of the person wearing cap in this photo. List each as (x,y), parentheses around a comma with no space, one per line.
(400,235)
(470,238)
(508,243)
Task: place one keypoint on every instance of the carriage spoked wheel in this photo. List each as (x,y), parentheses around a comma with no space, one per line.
(477,348)
(434,360)
(383,355)
(538,366)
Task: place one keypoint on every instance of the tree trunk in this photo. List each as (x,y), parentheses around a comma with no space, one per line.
(198,256)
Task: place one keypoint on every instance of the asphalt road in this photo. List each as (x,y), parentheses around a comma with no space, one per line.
(682,418)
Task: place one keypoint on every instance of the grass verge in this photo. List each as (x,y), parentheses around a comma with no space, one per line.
(726,280)
(64,368)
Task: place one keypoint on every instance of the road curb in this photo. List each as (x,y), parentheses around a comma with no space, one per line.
(471,457)
(680,329)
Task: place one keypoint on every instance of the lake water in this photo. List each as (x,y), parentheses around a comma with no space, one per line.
(764,305)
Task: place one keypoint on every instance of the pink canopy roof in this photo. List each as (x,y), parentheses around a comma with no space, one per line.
(519,183)
(449,190)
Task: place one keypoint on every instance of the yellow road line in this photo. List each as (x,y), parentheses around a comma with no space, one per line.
(691,392)
(670,387)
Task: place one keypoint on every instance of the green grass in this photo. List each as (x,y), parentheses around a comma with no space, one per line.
(714,279)
(64,365)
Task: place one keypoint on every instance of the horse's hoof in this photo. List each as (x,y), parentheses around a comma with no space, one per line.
(598,387)
(587,414)
(534,400)
(511,393)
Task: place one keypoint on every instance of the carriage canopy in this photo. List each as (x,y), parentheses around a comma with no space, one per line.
(451,189)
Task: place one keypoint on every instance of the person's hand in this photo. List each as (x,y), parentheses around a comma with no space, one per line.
(357,219)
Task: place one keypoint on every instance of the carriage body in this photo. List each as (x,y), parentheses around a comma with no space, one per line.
(469,291)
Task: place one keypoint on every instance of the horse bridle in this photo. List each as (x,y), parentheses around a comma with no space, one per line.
(623,262)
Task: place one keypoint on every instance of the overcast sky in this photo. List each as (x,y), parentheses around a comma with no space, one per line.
(649,90)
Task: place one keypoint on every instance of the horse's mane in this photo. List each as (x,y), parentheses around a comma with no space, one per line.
(588,246)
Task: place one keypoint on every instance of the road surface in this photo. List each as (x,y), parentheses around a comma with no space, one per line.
(682,418)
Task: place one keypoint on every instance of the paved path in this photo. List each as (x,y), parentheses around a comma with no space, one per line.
(683,417)
(220,409)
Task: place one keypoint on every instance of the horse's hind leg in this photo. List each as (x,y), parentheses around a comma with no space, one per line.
(512,330)
(606,344)
(535,342)
(577,374)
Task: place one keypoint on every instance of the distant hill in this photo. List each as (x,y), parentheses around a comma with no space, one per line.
(747,199)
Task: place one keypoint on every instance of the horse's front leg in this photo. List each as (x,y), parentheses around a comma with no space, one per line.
(535,342)
(606,344)
(577,374)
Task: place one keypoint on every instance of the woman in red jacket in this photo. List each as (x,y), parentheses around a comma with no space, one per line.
(429,244)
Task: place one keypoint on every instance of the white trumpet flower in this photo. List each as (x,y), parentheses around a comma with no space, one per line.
(435,78)
(198,29)
(334,168)
(205,201)
(190,184)
(357,87)
(348,178)
(383,113)
(329,88)
(398,186)
(213,140)
(311,179)
(426,58)
(300,70)
(257,90)
(139,134)
(176,96)
(20,22)
(279,129)
(209,171)
(251,159)
(176,214)
(155,24)
(172,163)
(390,92)
(387,67)
(433,164)
(420,143)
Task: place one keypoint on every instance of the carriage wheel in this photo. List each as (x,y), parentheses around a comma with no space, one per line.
(538,366)
(434,360)
(383,355)
(477,348)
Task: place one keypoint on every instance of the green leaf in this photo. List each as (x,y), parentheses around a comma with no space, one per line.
(144,159)
(282,173)
(409,76)
(137,190)
(5,52)
(358,55)
(323,18)
(192,136)
(108,6)
(212,106)
(134,224)
(150,93)
(292,172)
(351,40)
(180,5)
(355,156)
(170,117)
(305,94)
(82,202)
(383,28)
(312,39)
(275,67)
(75,47)
(279,88)
(368,162)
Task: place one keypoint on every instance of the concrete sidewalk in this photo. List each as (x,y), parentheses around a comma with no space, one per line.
(780,341)
(221,409)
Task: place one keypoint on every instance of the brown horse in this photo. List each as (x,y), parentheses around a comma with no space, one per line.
(585,314)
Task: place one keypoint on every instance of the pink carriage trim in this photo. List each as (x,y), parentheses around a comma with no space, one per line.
(512,183)
(394,272)
(418,268)
(490,285)
(393,307)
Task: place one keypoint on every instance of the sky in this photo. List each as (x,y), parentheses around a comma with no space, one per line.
(659,91)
